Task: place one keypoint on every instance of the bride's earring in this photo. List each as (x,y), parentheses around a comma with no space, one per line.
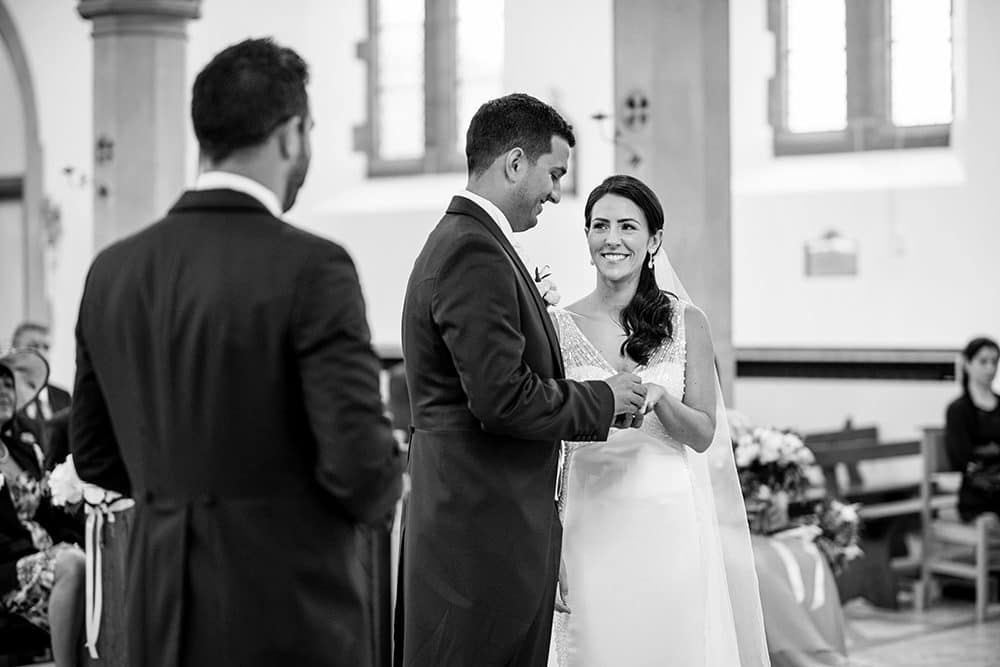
(651,260)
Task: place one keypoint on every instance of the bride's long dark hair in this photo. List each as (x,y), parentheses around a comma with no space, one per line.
(648,317)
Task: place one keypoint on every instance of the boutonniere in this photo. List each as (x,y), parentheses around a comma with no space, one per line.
(547,288)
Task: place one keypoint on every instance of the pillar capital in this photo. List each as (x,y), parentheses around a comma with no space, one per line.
(176,9)
(137,17)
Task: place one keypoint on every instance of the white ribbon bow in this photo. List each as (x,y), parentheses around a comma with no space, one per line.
(101,506)
(806,534)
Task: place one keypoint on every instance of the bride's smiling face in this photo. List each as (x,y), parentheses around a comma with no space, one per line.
(619,238)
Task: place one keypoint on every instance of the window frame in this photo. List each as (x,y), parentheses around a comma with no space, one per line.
(869,113)
(441,151)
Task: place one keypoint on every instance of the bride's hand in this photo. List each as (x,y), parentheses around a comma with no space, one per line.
(654,393)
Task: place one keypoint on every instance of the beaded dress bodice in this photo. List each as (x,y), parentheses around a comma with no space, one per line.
(583,361)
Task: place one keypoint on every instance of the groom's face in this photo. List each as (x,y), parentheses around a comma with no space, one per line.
(540,183)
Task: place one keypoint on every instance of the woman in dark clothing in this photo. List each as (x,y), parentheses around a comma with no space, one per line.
(972,431)
(41,571)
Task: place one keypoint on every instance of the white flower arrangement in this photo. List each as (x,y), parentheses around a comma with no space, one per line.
(68,490)
(65,486)
(840,524)
(771,460)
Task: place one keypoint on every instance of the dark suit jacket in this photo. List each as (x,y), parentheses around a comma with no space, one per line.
(59,400)
(489,407)
(226,380)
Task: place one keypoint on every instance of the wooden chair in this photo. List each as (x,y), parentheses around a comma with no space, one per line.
(948,541)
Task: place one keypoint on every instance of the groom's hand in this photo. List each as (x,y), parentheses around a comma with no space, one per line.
(630,396)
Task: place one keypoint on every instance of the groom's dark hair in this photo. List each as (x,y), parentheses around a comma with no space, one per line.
(512,121)
(244,93)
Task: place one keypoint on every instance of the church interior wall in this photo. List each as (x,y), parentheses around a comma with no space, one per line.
(927,224)
(925,220)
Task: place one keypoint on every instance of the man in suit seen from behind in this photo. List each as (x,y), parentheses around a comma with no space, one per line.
(226,380)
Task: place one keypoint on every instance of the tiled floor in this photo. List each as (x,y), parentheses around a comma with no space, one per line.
(944,636)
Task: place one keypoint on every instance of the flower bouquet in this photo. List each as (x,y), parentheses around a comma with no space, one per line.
(69,491)
(838,541)
(775,468)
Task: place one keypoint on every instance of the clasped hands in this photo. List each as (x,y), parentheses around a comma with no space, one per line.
(633,399)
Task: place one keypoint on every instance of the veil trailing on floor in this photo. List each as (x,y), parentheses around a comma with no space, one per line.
(717,488)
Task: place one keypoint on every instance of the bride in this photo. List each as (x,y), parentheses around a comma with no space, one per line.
(657,567)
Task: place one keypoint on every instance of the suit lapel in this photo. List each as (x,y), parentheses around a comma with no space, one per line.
(463,206)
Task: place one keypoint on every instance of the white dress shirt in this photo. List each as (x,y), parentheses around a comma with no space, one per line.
(225,180)
(503,223)
(41,402)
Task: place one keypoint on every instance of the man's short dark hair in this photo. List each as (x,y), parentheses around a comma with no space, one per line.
(244,93)
(511,121)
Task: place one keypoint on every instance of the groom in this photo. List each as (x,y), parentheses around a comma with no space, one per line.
(490,406)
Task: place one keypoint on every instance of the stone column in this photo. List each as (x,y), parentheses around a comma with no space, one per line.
(672,97)
(140,49)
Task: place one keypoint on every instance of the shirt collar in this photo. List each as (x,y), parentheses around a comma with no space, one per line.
(494,212)
(226,180)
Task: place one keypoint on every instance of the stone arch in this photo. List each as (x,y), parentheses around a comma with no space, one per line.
(25,187)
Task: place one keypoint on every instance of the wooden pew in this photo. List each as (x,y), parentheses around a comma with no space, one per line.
(850,447)
(887,508)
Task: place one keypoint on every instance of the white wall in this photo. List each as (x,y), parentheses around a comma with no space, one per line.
(928,220)
(559,50)
(57,45)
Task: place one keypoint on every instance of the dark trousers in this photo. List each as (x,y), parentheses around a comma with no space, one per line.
(442,634)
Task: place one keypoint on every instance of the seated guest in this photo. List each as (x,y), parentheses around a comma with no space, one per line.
(41,573)
(51,398)
(972,431)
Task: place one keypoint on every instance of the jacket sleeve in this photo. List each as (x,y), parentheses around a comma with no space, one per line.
(95,450)
(475,307)
(959,431)
(358,460)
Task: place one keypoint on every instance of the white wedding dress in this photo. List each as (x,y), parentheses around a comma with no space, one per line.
(644,564)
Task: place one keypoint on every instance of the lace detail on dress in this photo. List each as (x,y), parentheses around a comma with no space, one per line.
(583,361)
